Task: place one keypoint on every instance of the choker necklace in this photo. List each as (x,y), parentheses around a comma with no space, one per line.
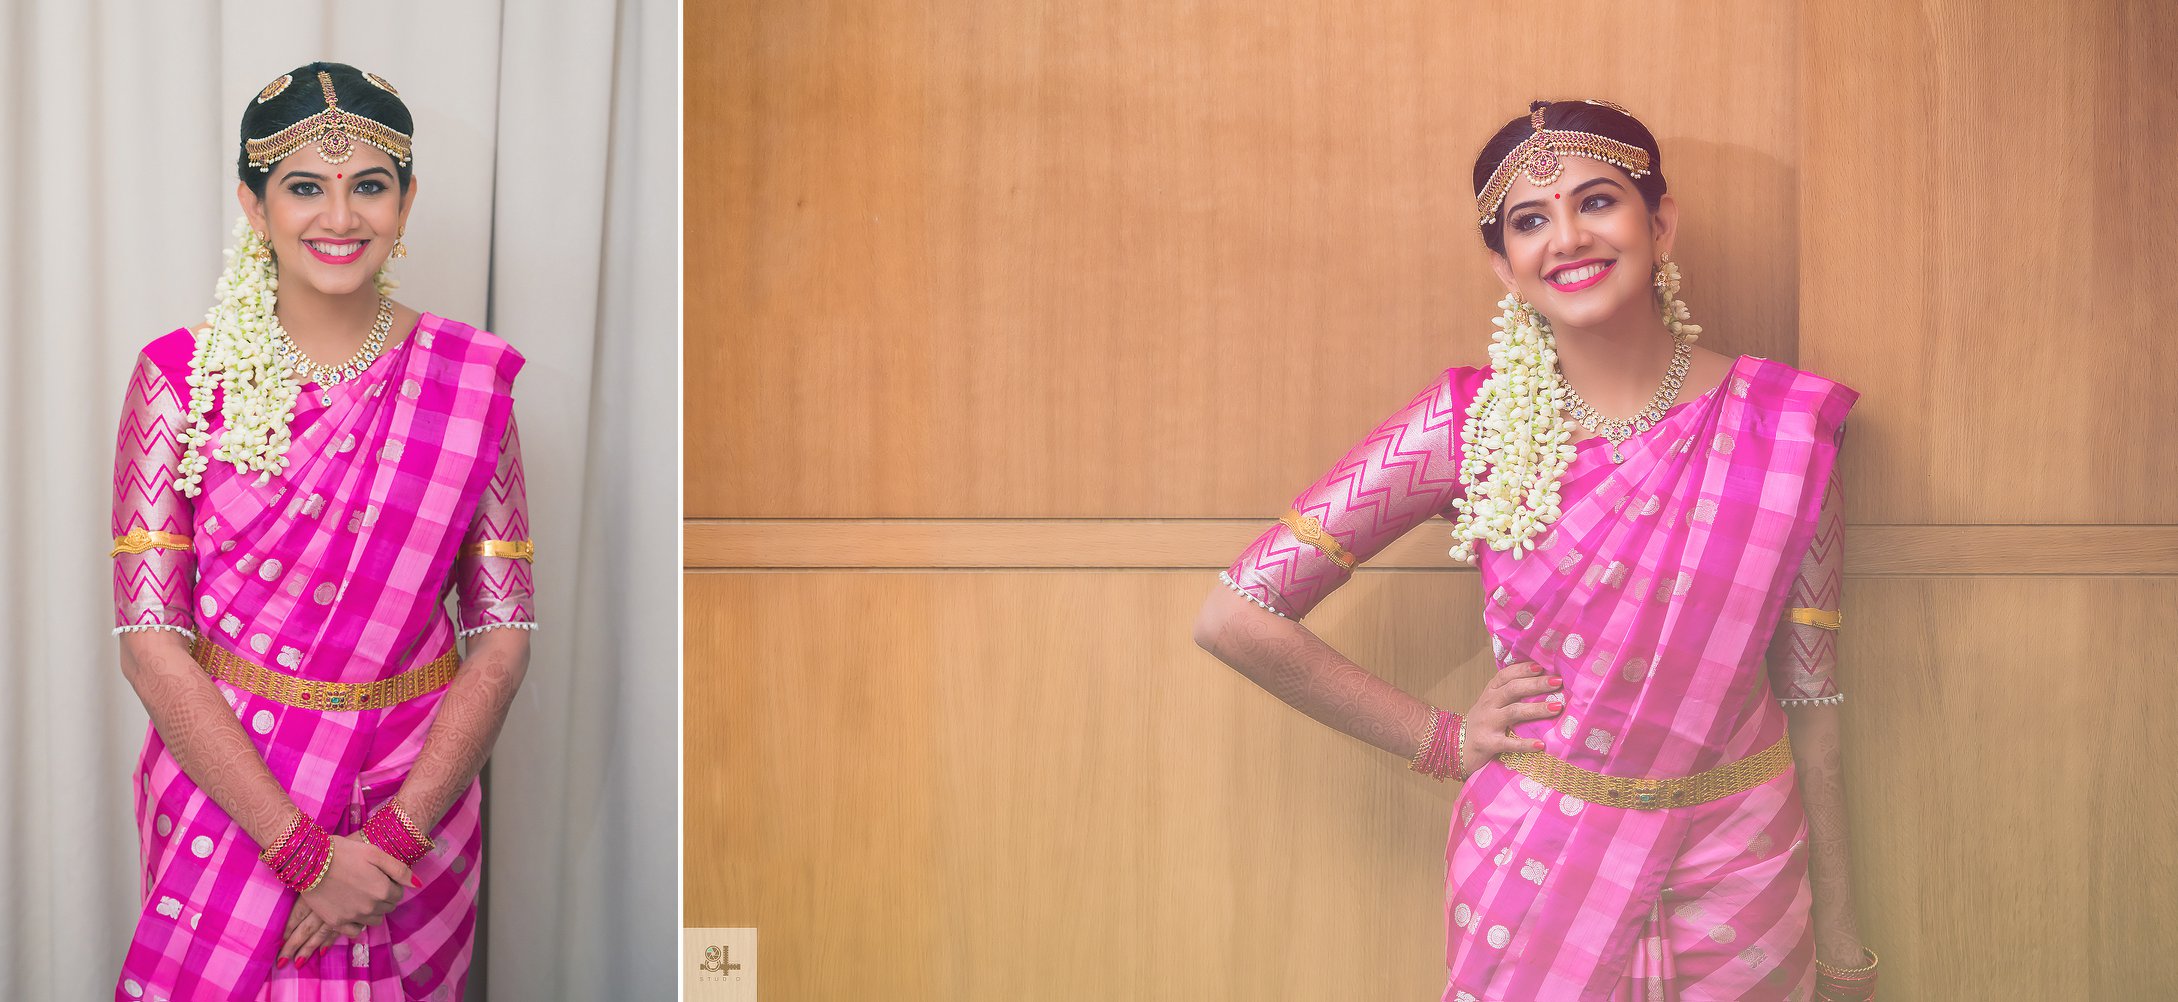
(1617,431)
(329,376)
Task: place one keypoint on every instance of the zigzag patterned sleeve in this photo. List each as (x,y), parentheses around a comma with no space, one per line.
(1803,659)
(152,590)
(494,591)
(1401,474)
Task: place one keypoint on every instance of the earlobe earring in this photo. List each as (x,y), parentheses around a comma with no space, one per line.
(1667,300)
(400,249)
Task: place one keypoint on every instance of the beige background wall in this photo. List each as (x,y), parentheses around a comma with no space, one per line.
(1008,326)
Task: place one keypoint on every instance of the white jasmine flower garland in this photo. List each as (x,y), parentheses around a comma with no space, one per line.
(1517,447)
(1517,444)
(234,353)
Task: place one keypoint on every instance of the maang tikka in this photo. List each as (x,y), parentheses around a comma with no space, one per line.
(1538,155)
(333,130)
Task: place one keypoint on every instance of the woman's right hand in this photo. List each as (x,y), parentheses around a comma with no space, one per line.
(362,886)
(1501,706)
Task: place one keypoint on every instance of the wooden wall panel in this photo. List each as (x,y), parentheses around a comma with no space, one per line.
(1000,786)
(997,785)
(2007,749)
(1014,259)
(1988,217)
(999,544)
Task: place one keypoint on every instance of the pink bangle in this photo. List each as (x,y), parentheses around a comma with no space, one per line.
(397,834)
(303,858)
(1439,757)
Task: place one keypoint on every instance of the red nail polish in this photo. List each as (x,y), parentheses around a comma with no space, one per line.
(1538,746)
(1557,680)
(413,882)
(282,962)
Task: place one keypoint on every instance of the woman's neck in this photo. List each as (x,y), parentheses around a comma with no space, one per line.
(327,328)
(1617,365)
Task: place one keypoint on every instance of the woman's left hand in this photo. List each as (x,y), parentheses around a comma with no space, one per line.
(307,934)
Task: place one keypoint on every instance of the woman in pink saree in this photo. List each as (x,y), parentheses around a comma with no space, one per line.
(287,533)
(1652,802)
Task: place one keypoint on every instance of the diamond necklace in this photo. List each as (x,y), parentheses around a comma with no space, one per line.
(329,376)
(1618,431)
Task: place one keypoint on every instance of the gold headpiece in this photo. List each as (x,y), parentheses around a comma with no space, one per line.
(1538,156)
(275,88)
(332,129)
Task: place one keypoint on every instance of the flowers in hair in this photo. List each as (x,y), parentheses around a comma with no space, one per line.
(234,354)
(1517,445)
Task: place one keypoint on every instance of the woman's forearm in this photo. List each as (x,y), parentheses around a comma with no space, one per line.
(1819,759)
(201,733)
(467,725)
(1296,666)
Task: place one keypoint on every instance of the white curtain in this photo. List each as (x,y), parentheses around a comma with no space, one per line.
(548,212)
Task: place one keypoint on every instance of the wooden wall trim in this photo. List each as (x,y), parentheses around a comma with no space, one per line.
(1207,544)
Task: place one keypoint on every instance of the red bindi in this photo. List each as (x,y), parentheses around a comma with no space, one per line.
(337,176)
(1556,195)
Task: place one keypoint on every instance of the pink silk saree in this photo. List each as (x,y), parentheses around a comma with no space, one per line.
(337,570)
(1656,596)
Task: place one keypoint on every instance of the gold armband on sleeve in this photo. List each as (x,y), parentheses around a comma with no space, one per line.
(1309,529)
(1823,618)
(518,549)
(140,540)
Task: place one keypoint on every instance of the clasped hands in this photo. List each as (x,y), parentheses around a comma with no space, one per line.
(361,888)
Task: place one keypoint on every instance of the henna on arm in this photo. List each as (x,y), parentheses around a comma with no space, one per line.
(202,734)
(467,724)
(494,599)
(1293,664)
(153,615)
(1404,472)
(1803,664)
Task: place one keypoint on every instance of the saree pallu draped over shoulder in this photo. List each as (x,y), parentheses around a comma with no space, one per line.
(1655,596)
(335,571)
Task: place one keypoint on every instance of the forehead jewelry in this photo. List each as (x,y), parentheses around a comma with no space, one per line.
(380,83)
(333,130)
(275,88)
(1537,156)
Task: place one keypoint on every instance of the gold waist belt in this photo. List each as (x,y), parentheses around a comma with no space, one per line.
(1652,794)
(251,677)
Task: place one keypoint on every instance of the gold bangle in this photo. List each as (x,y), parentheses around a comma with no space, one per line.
(280,843)
(1828,619)
(518,549)
(1436,719)
(1855,973)
(1309,529)
(141,539)
(409,824)
(322,870)
(1459,752)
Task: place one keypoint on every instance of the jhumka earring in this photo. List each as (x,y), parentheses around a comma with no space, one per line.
(1674,312)
(400,249)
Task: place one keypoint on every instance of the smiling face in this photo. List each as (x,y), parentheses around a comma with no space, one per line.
(1583,248)
(330,227)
